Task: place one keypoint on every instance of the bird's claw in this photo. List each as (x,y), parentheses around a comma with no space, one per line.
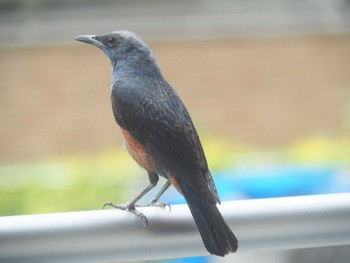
(130,208)
(162,205)
(109,204)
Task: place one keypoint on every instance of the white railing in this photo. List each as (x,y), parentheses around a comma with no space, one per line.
(113,235)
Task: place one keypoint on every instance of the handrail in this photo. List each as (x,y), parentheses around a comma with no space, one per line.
(114,235)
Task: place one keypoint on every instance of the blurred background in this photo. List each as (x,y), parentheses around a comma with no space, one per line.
(267,84)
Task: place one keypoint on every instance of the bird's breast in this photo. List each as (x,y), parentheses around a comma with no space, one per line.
(138,151)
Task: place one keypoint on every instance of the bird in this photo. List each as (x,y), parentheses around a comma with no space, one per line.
(160,135)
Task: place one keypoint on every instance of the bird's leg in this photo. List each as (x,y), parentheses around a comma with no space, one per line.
(154,201)
(153,178)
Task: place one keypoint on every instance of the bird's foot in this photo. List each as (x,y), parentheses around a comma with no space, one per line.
(157,204)
(130,208)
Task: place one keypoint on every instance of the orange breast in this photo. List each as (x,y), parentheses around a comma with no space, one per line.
(140,155)
(137,151)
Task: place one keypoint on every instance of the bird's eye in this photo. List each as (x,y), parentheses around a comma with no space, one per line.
(111,41)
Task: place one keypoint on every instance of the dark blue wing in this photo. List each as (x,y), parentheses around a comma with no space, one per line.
(158,120)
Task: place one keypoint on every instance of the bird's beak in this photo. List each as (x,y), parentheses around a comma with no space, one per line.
(90,39)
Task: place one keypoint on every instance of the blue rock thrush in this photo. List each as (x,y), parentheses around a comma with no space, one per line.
(160,135)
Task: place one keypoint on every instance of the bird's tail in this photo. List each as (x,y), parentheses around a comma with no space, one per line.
(216,234)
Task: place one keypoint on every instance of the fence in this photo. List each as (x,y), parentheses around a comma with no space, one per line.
(113,235)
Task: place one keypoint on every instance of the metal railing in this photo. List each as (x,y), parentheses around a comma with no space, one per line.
(113,235)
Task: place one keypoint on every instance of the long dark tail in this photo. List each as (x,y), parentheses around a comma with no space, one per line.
(217,237)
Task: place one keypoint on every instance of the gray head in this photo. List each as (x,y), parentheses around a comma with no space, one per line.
(119,45)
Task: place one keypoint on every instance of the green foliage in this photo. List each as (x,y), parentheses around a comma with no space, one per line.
(320,149)
(70,184)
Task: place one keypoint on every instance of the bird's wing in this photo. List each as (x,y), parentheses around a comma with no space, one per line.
(161,123)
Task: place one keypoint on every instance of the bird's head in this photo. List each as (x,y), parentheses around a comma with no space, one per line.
(119,45)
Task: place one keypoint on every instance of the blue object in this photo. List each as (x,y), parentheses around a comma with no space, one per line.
(278,181)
